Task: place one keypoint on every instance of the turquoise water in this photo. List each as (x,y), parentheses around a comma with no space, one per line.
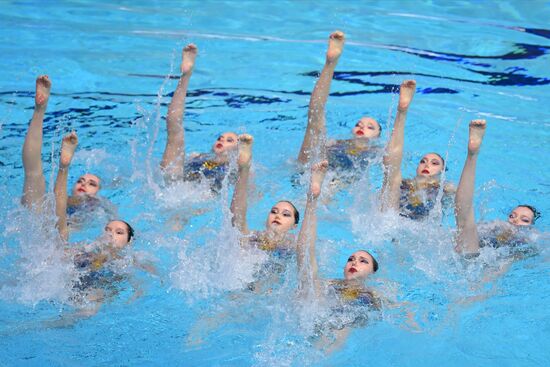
(257,64)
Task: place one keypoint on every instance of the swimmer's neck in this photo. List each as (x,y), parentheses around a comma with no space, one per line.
(222,158)
(274,236)
(506,226)
(422,182)
(360,143)
(76,200)
(354,283)
(113,251)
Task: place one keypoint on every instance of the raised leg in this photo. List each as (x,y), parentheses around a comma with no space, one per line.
(467,236)
(174,152)
(394,150)
(316,129)
(68,146)
(239,203)
(305,253)
(34,185)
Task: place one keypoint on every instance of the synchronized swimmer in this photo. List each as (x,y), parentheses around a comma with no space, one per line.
(212,166)
(414,198)
(511,233)
(342,155)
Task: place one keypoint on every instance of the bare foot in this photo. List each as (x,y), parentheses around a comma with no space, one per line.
(43,85)
(318,171)
(68,146)
(188,56)
(406,94)
(245,150)
(477,130)
(335,46)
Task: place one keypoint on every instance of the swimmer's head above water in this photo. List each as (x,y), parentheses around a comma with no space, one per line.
(360,265)
(523,215)
(87,184)
(283,217)
(366,128)
(430,166)
(119,232)
(226,142)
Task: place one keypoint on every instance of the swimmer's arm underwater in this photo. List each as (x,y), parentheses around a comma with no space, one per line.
(68,146)
(394,151)
(138,290)
(146,266)
(328,346)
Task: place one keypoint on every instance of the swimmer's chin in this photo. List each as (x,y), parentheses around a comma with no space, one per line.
(276,227)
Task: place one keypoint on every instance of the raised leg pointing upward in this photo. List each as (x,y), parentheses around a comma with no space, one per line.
(316,124)
(467,236)
(34,186)
(174,153)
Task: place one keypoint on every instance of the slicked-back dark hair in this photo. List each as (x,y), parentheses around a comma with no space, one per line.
(374,262)
(536,213)
(296,212)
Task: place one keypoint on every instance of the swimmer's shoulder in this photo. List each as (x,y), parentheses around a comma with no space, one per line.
(332,142)
(195,155)
(371,298)
(449,189)
(84,201)
(407,184)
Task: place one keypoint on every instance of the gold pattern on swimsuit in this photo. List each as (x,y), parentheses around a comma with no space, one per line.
(98,262)
(412,197)
(350,294)
(415,200)
(210,164)
(355,151)
(505,236)
(267,245)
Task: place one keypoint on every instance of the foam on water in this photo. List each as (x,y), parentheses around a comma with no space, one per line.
(39,271)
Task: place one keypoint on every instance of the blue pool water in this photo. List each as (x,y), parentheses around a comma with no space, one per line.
(257,64)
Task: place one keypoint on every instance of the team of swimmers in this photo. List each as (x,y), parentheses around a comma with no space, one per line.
(413,198)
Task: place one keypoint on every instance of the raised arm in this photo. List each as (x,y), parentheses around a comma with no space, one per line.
(68,146)
(174,153)
(305,253)
(394,150)
(34,185)
(467,236)
(239,203)
(316,129)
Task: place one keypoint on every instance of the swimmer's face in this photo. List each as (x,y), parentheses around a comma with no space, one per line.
(281,218)
(366,128)
(118,233)
(87,184)
(521,216)
(225,142)
(359,266)
(431,165)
